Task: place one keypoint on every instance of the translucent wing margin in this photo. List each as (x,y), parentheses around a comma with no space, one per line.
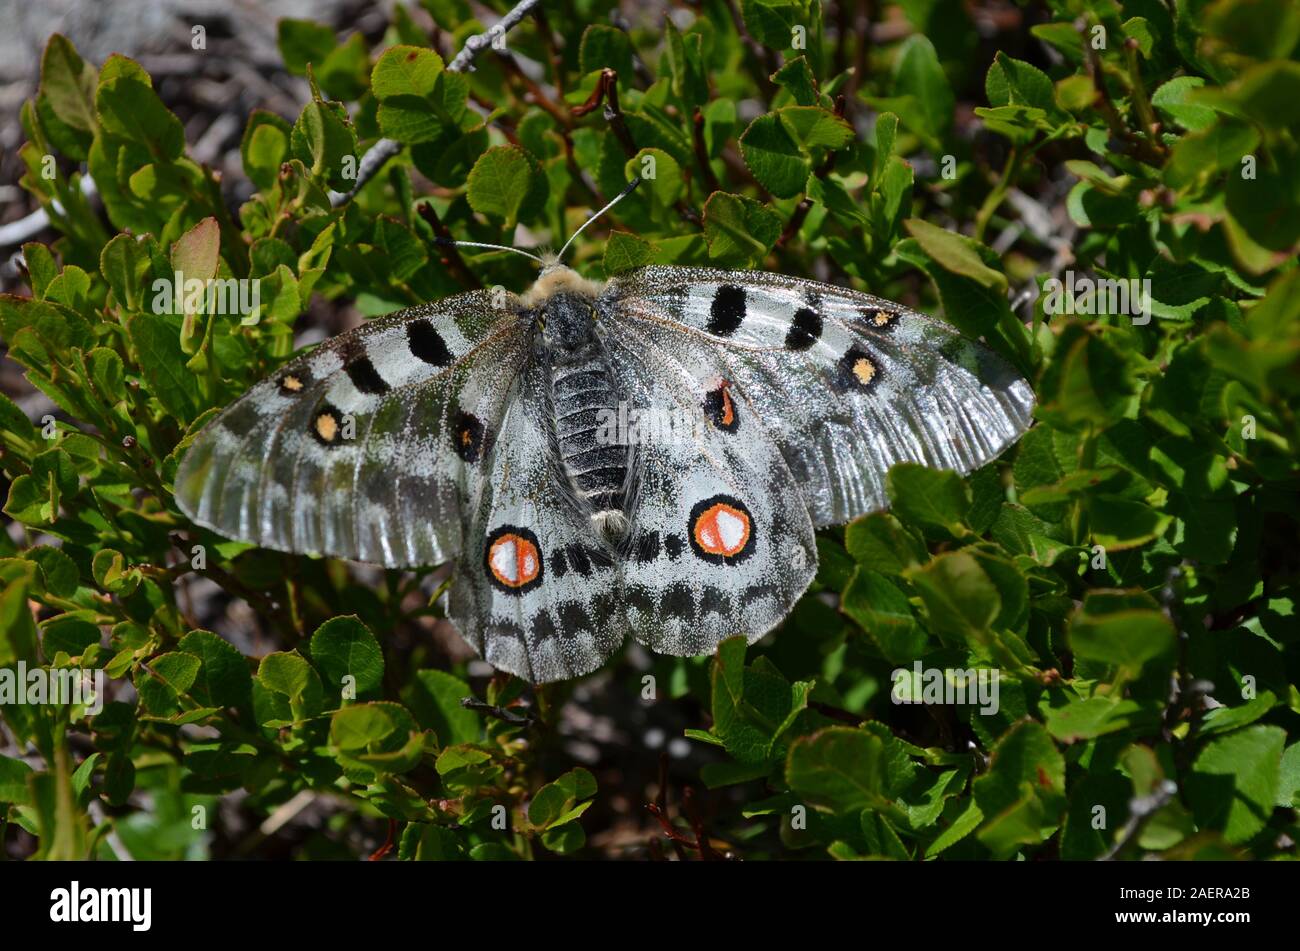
(846,384)
(361,448)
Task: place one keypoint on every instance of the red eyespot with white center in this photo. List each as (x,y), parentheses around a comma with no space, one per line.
(721,530)
(513,559)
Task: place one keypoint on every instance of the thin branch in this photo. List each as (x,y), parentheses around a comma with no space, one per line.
(384,149)
(464,61)
(553,48)
(1142,148)
(500,713)
(1141,809)
(451,258)
(537,93)
(367,168)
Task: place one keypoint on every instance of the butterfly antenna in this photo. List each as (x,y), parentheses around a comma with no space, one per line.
(493,247)
(631,187)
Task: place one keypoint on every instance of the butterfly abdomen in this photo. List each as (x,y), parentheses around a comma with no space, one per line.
(585,402)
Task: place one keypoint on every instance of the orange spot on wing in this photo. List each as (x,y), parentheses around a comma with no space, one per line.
(721,529)
(514,560)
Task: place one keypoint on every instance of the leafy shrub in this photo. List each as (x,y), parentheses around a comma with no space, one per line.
(1129,568)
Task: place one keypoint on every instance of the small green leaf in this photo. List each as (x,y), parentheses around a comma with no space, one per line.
(936,500)
(1234,781)
(739,230)
(774,156)
(302,43)
(344,648)
(1120,628)
(625,252)
(500,182)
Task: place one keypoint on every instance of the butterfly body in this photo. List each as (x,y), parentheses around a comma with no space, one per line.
(645,458)
(583,393)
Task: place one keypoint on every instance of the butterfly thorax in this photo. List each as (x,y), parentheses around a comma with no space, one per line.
(585,401)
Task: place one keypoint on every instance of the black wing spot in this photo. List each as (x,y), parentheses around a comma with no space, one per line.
(805,329)
(574,618)
(715,601)
(727,311)
(856,370)
(427,344)
(674,545)
(679,602)
(363,374)
(558,563)
(467,436)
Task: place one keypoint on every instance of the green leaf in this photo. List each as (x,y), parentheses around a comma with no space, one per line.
(1013,82)
(813,127)
(60,571)
(968,595)
(162,364)
(125,263)
(626,252)
(434,696)
(955,253)
(839,768)
(112,573)
(285,673)
(13,781)
(1172,99)
(739,230)
(322,139)
(164,680)
(882,610)
(554,803)
(358,727)
(500,182)
(797,76)
(936,500)
(774,156)
(128,107)
(1022,795)
(405,71)
(921,95)
(880,542)
(661,177)
(302,42)
(68,84)
(1234,781)
(264,147)
(344,648)
(1120,628)
(605,47)
(223,680)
